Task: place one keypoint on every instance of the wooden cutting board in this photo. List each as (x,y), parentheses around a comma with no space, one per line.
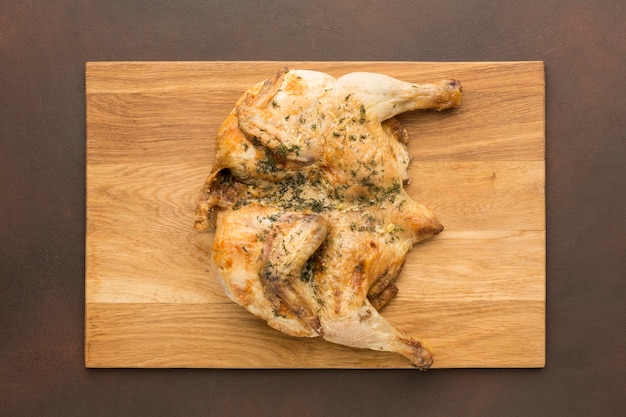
(476,292)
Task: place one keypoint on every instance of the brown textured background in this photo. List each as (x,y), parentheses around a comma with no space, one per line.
(43,50)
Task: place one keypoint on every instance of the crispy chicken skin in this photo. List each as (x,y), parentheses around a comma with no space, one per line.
(312,223)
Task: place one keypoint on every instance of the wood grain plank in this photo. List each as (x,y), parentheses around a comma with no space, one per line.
(476,292)
(501,117)
(482,195)
(149,335)
(150,208)
(505,266)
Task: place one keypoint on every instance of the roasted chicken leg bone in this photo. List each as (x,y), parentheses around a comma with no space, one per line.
(312,223)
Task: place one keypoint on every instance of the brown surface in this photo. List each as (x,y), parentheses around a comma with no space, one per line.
(473,293)
(43,50)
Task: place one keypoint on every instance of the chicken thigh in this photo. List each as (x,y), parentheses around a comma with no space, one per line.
(312,223)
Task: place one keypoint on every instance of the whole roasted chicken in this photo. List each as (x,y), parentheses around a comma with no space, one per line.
(312,224)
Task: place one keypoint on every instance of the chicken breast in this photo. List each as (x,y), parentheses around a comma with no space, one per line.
(312,223)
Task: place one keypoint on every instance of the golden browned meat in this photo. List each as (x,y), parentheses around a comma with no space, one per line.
(312,221)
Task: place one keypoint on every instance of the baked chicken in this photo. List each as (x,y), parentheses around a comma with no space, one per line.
(312,223)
